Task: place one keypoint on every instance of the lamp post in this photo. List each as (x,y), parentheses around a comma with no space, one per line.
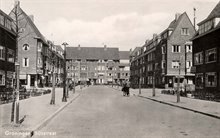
(178,86)
(73,77)
(140,85)
(53,81)
(64,74)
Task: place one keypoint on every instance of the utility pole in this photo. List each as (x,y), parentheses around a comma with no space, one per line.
(64,99)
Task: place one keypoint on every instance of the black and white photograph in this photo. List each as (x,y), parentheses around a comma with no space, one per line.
(109,68)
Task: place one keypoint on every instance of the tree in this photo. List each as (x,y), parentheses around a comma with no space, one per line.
(16,15)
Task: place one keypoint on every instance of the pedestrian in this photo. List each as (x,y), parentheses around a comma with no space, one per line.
(128,87)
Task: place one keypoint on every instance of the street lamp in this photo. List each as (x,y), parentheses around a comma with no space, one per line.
(153,92)
(178,86)
(64,74)
(140,85)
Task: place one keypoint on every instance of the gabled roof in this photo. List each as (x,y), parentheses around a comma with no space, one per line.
(124,54)
(92,53)
(214,13)
(59,48)
(30,22)
(135,50)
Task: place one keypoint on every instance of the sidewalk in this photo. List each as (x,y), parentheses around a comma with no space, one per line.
(37,110)
(200,106)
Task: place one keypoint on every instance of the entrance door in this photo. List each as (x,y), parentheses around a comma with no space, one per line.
(32,80)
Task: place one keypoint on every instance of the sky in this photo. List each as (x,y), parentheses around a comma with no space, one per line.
(124,24)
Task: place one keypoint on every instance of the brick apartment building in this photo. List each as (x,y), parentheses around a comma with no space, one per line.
(206,53)
(37,56)
(97,65)
(166,56)
(7,52)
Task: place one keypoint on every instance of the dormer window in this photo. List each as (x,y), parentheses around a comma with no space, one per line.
(205,26)
(2,19)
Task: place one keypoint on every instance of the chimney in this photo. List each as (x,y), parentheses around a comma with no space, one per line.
(79,47)
(177,15)
(31,17)
(105,47)
(146,41)
(154,36)
(17,3)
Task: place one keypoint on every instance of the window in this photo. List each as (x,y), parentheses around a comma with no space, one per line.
(8,24)
(26,47)
(83,67)
(127,68)
(163,50)
(25,62)
(199,80)
(2,53)
(198,58)
(150,67)
(184,31)
(2,78)
(210,79)
(175,64)
(40,63)
(188,48)
(39,47)
(11,55)
(163,64)
(2,19)
(150,80)
(211,55)
(176,49)
(188,64)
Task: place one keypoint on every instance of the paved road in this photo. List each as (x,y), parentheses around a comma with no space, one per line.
(103,112)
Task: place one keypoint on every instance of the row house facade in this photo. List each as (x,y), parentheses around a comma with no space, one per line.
(206,53)
(97,65)
(36,54)
(7,52)
(166,56)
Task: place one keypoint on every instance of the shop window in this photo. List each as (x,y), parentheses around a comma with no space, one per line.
(210,80)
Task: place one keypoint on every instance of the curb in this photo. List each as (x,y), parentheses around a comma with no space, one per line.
(196,111)
(45,121)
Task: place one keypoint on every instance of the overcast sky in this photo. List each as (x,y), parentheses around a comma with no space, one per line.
(116,23)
